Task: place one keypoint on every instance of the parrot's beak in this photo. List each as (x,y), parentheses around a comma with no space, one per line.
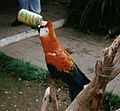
(42,25)
(43,29)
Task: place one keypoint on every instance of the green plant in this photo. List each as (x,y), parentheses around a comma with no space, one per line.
(24,70)
(111,102)
(20,68)
(95,15)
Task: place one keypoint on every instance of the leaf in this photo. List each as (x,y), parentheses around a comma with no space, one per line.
(86,11)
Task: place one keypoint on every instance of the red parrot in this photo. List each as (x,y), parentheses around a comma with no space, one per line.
(59,62)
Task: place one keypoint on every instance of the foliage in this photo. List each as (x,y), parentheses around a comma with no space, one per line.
(101,16)
(21,69)
(111,102)
(24,70)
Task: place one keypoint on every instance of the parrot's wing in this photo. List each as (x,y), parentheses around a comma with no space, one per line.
(63,66)
(61,61)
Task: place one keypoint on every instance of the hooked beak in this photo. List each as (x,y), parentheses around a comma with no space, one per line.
(42,25)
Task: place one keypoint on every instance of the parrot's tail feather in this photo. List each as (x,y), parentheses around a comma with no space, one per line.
(84,78)
(74,92)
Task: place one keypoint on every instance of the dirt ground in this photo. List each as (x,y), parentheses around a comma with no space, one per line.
(20,95)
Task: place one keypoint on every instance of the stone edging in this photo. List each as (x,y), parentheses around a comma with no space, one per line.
(24,35)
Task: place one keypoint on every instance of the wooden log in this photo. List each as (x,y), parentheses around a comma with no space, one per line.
(46,100)
(50,97)
(53,96)
(104,72)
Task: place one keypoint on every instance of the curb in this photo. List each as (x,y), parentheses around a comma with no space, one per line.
(28,34)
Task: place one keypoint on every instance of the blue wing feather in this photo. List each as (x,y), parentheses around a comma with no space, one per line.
(75,81)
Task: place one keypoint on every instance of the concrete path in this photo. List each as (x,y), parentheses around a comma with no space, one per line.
(27,34)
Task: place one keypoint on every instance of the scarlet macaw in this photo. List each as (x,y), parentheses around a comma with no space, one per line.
(59,62)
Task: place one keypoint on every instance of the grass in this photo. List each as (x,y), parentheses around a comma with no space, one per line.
(22,69)
(111,102)
(28,71)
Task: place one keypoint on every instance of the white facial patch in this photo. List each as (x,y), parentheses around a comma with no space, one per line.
(44,31)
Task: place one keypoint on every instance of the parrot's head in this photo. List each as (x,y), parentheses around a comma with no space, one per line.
(46,29)
(47,35)
(42,28)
